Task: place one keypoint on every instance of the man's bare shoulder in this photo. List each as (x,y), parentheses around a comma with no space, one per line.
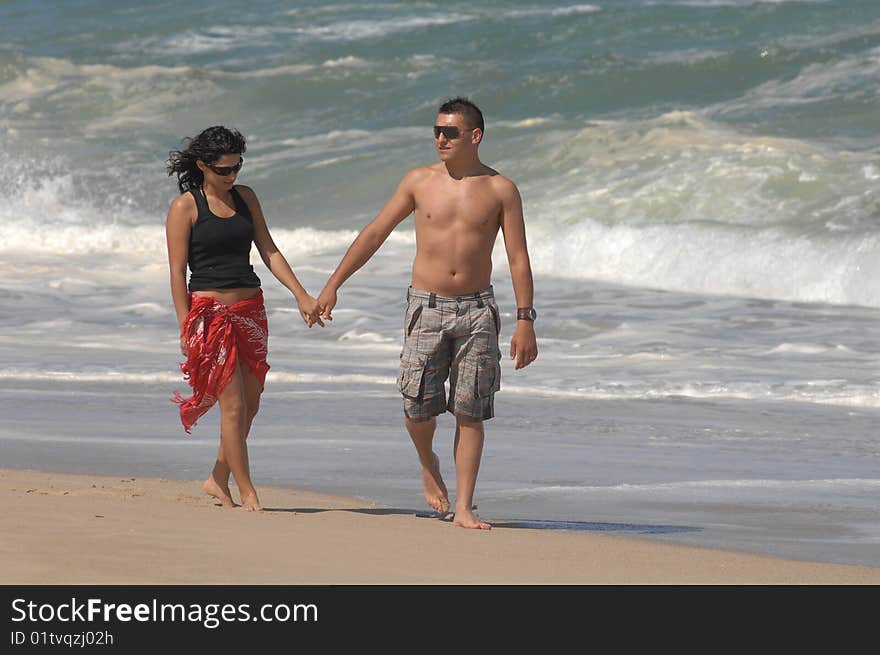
(416,178)
(503,186)
(421,173)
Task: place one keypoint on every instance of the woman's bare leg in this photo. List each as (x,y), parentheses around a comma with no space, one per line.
(219,480)
(232,457)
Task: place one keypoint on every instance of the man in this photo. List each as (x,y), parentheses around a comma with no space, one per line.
(452,321)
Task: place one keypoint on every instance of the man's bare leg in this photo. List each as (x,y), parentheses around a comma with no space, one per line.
(468,450)
(422,435)
(233,425)
(217,484)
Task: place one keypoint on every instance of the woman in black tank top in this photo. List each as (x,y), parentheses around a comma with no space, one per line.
(224,333)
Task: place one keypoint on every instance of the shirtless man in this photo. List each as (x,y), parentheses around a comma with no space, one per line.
(452,322)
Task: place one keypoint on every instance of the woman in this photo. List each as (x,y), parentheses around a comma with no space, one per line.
(223,327)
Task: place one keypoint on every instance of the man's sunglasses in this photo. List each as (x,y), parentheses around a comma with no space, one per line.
(223,171)
(449,131)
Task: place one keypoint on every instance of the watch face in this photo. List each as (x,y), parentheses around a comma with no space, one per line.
(532,313)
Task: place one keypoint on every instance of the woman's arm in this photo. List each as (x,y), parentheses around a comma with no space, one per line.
(276,262)
(178,226)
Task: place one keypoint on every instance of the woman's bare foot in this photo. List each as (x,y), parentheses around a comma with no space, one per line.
(221,493)
(435,489)
(467,519)
(250,503)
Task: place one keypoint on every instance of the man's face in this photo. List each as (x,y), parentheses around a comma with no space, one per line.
(452,135)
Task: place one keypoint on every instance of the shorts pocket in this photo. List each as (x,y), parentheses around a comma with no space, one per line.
(411,377)
(413,320)
(488,376)
(495,319)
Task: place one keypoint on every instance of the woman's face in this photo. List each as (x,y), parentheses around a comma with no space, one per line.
(223,171)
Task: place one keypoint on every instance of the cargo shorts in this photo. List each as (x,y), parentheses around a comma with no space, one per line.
(454,337)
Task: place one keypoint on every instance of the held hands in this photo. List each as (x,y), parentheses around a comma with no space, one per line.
(327,301)
(317,310)
(523,345)
(310,310)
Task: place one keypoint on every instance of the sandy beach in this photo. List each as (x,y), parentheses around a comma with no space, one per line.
(82,529)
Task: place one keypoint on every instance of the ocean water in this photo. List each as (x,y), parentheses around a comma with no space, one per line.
(700,185)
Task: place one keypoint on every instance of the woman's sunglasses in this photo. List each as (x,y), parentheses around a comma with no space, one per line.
(223,171)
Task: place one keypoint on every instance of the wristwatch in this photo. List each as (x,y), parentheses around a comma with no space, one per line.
(525,313)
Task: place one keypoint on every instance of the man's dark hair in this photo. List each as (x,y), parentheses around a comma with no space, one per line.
(461,105)
(209,145)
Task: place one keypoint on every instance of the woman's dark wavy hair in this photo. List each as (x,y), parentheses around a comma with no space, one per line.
(209,145)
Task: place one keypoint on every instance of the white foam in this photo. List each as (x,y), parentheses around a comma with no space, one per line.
(686,56)
(701,259)
(353,30)
(146,309)
(825,484)
(807,348)
(215,38)
(815,83)
(115,377)
(564,10)
(731,3)
(150,91)
(330,147)
(368,337)
(353,6)
(851,395)
(346,62)
(682,204)
(119,377)
(826,39)
(524,123)
(46,220)
(40,75)
(330,161)
(175,442)
(275,71)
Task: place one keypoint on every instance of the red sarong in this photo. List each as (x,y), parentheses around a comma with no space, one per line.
(216,336)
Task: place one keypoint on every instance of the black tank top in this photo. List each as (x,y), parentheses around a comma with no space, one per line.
(220,248)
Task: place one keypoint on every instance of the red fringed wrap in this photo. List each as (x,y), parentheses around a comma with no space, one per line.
(216,336)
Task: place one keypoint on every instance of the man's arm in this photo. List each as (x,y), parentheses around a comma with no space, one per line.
(401,204)
(523,344)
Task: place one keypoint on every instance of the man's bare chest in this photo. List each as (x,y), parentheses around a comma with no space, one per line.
(466,209)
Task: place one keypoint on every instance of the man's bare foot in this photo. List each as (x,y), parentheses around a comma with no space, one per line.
(467,519)
(212,488)
(435,489)
(250,503)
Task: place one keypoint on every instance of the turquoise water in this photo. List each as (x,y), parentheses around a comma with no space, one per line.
(699,181)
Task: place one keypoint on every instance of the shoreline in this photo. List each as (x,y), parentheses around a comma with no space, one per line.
(86,529)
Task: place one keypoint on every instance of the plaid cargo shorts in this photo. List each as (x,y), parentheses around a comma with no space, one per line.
(450,337)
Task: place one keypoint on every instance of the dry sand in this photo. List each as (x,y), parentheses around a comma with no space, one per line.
(82,529)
